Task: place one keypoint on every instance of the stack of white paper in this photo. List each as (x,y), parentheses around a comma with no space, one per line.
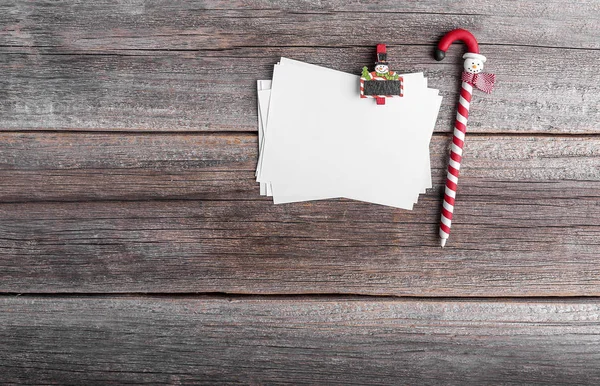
(318,139)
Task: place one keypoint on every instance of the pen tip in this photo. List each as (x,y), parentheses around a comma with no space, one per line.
(443,242)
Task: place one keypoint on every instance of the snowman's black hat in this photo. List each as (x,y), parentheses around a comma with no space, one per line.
(382,57)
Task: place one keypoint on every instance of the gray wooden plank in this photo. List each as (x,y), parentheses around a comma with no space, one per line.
(526,221)
(116,166)
(298,341)
(164,25)
(539,90)
(67,65)
(536,246)
(67,166)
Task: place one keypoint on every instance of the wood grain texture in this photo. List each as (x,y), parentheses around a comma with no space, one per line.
(526,221)
(162,66)
(68,166)
(298,341)
(536,246)
(83,166)
(166,25)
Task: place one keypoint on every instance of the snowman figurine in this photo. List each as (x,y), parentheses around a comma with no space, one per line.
(473,73)
(473,63)
(381,68)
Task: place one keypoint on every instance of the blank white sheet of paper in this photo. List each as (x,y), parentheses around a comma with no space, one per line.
(323,140)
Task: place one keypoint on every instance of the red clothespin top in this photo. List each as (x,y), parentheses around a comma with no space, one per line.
(381,83)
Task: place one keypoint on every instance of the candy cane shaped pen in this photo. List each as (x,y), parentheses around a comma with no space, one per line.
(472,76)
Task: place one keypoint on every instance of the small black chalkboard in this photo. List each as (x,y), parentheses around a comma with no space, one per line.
(382,87)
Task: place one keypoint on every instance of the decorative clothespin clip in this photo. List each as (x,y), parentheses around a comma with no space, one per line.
(381,83)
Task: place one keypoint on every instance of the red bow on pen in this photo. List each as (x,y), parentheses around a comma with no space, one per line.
(482,81)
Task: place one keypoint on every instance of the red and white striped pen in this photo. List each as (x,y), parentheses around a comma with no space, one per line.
(472,76)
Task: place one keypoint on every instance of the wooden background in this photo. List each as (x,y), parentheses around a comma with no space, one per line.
(135,248)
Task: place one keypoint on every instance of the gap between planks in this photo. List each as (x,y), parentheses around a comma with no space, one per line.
(223,133)
(122,51)
(304,296)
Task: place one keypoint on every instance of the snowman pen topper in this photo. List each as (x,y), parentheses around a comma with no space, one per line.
(381,83)
(472,77)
